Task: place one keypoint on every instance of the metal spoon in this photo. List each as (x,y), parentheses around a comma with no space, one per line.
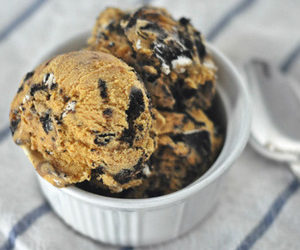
(275,130)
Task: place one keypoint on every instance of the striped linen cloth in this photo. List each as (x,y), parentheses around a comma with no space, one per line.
(260,201)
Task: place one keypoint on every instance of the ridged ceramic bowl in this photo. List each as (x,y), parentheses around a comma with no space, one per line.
(139,222)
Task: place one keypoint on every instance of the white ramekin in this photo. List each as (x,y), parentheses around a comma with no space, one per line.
(139,222)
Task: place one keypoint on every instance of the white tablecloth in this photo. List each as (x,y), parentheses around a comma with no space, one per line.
(260,201)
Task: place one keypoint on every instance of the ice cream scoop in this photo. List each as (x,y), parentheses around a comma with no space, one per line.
(84,112)
(169,55)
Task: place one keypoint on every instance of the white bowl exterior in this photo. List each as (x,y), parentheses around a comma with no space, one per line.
(150,221)
(131,227)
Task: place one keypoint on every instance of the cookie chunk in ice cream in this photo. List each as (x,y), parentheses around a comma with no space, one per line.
(84,111)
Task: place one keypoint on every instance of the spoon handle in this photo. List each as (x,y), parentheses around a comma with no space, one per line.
(295,168)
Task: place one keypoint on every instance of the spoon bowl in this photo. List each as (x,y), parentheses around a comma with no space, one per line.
(276,117)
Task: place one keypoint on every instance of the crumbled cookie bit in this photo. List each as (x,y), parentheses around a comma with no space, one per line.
(103,88)
(159,53)
(200,46)
(26,98)
(58,121)
(28,75)
(32,109)
(66,98)
(49,152)
(111,44)
(180,63)
(123,176)
(184,21)
(98,170)
(138,44)
(146,171)
(14,125)
(20,89)
(140,127)
(49,80)
(136,107)
(136,104)
(107,112)
(37,87)
(194,137)
(70,108)
(46,122)
(104,139)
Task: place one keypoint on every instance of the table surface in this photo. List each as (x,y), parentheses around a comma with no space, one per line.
(259,203)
